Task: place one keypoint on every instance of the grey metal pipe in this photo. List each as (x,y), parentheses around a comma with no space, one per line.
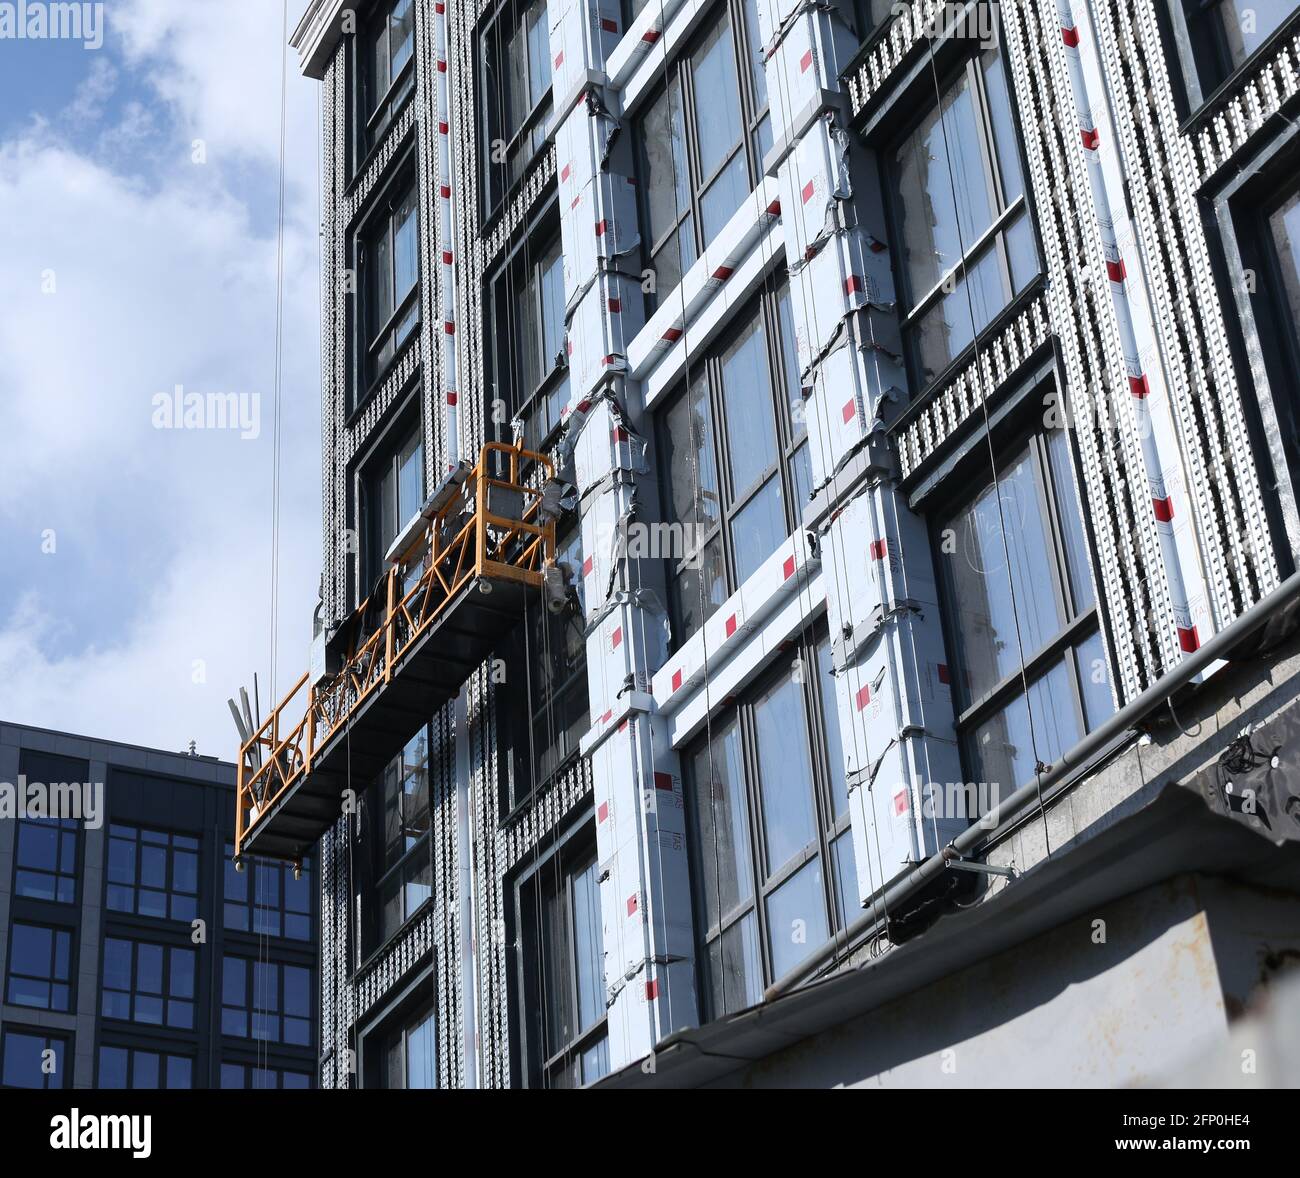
(1127,718)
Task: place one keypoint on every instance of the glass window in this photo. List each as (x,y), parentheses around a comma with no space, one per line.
(766,809)
(45,862)
(396,492)
(390,270)
(546,681)
(152,873)
(1031,673)
(958,196)
(514,92)
(40,967)
(265,898)
(266,1001)
(250,1076)
(564,974)
(1227,33)
(32,1059)
(129,1067)
(527,320)
(733,495)
(701,143)
(148,983)
(411,1054)
(387,68)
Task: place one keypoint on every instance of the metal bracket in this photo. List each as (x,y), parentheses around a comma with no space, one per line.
(954,859)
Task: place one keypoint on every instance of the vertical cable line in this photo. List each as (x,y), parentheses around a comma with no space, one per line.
(962,268)
(263,944)
(803,276)
(695,473)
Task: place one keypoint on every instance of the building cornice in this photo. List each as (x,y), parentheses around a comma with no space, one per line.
(318,34)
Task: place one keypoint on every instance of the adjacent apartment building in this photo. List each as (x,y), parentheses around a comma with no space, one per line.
(132,954)
(912,389)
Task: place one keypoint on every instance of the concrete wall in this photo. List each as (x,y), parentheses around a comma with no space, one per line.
(1062,1010)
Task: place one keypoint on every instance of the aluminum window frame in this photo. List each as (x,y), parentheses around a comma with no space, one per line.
(369,339)
(520,779)
(1078,626)
(522,266)
(252,1009)
(165,1057)
(252,873)
(751,119)
(573,852)
(385,463)
(136,887)
(51,979)
(1207,71)
(376,113)
(51,1038)
(164,995)
(491,40)
(915,305)
(828,826)
(765,308)
(64,828)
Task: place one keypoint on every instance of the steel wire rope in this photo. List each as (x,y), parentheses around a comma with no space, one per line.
(696,500)
(844,598)
(514,357)
(963,268)
(260,978)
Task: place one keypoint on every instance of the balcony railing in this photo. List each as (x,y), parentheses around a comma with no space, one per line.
(490,532)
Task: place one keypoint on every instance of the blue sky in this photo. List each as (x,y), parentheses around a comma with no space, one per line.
(137,228)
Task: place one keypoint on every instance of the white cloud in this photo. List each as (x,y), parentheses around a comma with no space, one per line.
(121,281)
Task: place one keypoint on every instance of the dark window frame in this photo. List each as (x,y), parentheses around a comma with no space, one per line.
(50,1038)
(490,41)
(375,113)
(249,905)
(790,433)
(115,832)
(519,779)
(401,870)
(253,1071)
(53,977)
(384,462)
(1081,622)
(253,1008)
(678,74)
(1208,72)
(165,996)
(913,306)
(165,1057)
(829,827)
(369,365)
(572,853)
(64,827)
(539,406)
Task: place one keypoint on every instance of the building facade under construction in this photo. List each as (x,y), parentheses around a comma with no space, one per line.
(809,511)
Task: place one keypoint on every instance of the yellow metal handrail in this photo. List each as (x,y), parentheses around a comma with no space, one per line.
(486,546)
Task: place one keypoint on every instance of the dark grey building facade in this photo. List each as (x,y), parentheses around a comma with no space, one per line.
(131,952)
(955,345)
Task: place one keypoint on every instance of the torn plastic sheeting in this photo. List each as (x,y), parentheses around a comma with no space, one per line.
(601,325)
(814,182)
(878,552)
(605,442)
(780,577)
(583,143)
(812,50)
(598,225)
(583,33)
(842,277)
(897,681)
